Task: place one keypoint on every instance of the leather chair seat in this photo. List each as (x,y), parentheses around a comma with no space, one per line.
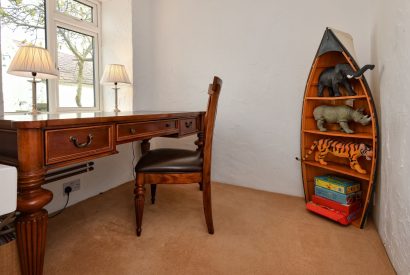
(170,161)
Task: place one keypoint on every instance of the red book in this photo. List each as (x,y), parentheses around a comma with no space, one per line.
(332,214)
(342,208)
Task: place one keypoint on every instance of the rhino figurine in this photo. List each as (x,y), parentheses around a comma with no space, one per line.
(339,114)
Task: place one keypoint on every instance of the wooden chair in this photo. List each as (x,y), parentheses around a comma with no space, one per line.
(177,166)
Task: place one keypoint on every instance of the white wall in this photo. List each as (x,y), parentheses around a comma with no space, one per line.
(117,49)
(117,169)
(263,51)
(1,86)
(390,49)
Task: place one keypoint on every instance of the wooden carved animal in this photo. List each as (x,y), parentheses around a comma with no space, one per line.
(341,114)
(349,150)
(339,74)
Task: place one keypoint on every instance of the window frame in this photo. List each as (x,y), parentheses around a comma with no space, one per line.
(57,19)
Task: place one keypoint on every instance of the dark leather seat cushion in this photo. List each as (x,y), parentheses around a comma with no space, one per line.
(170,161)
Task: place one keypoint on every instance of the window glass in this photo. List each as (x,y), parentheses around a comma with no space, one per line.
(22,22)
(76,66)
(75,9)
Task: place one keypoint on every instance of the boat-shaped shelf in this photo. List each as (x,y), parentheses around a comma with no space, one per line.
(337,47)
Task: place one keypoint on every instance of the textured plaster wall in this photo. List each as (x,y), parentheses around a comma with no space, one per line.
(113,170)
(263,51)
(390,50)
(1,86)
(117,49)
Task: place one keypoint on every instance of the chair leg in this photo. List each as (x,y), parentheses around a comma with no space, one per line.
(139,198)
(201,187)
(153,192)
(206,194)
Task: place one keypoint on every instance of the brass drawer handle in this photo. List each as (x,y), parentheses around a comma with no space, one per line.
(133,131)
(188,124)
(74,140)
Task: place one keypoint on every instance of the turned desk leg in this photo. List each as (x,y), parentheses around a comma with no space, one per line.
(200,141)
(139,200)
(140,190)
(31,223)
(200,144)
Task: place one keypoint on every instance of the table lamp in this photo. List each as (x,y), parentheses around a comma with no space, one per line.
(115,73)
(35,62)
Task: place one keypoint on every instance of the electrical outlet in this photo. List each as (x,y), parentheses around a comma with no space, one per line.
(75,185)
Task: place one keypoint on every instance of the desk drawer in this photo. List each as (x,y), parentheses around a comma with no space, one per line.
(139,130)
(76,143)
(188,126)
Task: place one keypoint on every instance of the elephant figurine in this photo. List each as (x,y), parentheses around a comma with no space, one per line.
(339,74)
(341,114)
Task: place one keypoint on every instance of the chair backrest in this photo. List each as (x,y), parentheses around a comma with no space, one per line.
(209,124)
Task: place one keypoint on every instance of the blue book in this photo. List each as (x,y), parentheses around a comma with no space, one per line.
(338,197)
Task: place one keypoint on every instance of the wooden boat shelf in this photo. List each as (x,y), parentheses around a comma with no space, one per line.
(337,47)
(339,134)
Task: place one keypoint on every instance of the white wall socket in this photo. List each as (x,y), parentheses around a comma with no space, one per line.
(74,184)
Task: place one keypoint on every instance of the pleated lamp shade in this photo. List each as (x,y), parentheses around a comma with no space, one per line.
(31,59)
(115,73)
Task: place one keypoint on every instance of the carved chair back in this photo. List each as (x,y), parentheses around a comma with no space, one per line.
(209,124)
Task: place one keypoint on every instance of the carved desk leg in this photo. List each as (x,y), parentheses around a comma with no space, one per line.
(200,144)
(200,141)
(31,224)
(139,199)
(145,147)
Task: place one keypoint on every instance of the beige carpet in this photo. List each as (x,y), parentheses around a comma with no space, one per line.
(255,233)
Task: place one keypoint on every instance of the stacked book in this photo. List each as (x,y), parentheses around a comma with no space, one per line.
(336,198)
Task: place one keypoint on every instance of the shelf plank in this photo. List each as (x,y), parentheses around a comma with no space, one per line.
(338,168)
(340,134)
(335,97)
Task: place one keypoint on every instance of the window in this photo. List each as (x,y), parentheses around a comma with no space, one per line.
(76,64)
(21,22)
(76,9)
(71,32)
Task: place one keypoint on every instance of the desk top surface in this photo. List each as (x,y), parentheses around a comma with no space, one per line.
(12,121)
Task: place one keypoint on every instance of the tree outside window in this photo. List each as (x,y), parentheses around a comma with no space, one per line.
(23,22)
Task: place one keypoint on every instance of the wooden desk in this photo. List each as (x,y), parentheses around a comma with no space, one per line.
(37,144)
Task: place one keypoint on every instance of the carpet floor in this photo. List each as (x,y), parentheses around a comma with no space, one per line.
(256,232)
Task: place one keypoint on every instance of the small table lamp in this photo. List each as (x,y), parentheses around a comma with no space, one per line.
(115,73)
(35,62)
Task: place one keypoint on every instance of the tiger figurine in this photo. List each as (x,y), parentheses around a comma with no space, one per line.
(349,150)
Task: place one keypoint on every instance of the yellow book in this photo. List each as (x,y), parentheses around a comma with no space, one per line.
(343,186)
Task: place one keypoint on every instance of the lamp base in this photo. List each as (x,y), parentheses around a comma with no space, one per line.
(34,81)
(116,98)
